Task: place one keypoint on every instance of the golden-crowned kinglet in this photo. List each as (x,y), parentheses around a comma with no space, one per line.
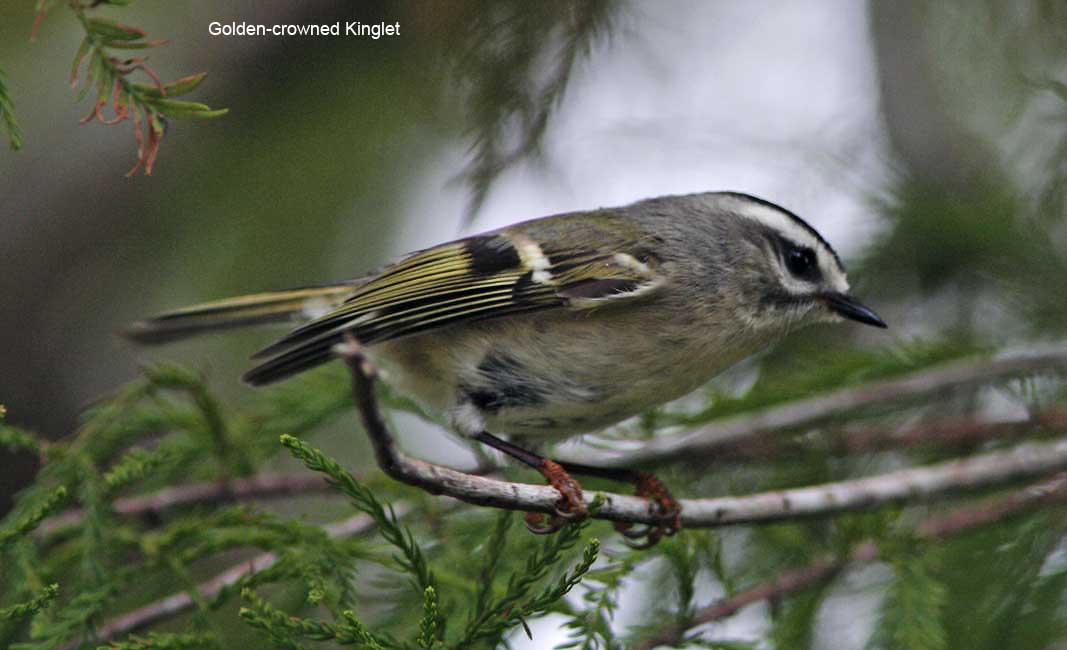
(564,324)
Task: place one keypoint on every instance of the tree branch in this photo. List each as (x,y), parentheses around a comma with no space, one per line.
(951,376)
(152,505)
(1027,460)
(950,431)
(175,604)
(955,522)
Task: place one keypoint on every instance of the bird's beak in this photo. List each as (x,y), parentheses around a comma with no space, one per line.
(852,309)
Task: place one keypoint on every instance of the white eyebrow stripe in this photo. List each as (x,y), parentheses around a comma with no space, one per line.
(787,226)
(780,223)
(784,222)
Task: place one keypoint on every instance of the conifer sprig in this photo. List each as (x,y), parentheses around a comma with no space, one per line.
(428,625)
(147,105)
(287,629)
(153,433)
(32,606)
(494,550)
(911,611)
(15,439)
(8,123)
(591,627)
(410,557)
(515,603)
(74,620)
(164,641)
(47,507)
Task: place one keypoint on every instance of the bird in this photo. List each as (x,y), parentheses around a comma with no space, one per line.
(560,325)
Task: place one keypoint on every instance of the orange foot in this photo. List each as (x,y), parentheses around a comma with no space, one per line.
(668,512)
(571,505)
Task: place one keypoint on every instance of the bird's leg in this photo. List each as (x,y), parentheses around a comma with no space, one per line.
(647,486)
(571,504)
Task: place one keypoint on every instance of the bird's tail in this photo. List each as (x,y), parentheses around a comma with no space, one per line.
(255,309)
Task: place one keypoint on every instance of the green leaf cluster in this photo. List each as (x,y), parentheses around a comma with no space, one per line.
(65,576)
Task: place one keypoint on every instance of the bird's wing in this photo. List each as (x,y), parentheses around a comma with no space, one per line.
(486,276)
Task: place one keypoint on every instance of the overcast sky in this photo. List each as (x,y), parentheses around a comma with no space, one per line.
(772,98)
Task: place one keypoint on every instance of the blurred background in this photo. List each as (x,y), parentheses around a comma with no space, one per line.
(927,140)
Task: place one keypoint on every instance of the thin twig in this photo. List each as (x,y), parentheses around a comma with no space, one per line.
(1023,461)
(940,527)
(951,376)
(177,603)
(943,432)
(152,505)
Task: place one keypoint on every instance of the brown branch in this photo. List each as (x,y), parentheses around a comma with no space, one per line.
(175,604)
(914,484)
(152,505)
(948,377)
(955,522)
(944,432)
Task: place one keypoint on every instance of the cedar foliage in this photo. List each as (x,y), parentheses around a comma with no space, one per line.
(103,53)
(469,577)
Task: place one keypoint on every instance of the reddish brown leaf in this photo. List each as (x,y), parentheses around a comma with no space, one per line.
(37,19)
(139,135)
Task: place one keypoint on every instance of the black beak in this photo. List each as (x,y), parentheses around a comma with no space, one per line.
(851,308)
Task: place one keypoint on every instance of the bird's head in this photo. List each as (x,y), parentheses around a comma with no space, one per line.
(785,273)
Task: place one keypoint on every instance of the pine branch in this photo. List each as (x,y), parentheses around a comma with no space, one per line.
(954,376)
(511,91)
(74,620)
(494,550)
(513,605)
(987,469)
(947,432)
(32,606)
(133,466)
(941,527)
(922,483)
(170,377)
(429,624)
(411,558)
(229,579)
(282,626)
(911,610)
(27,524)
(16,439)
(164,641)
(156,641)
(148,106)
(563,586)
(592,628)
(8,124)
(151,506)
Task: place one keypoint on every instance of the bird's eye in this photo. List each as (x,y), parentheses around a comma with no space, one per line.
(800,260)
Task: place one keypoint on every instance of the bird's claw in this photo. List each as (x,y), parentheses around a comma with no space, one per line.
(668,513)
(540,523)
(571,504)
(642,537)
(570,507)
